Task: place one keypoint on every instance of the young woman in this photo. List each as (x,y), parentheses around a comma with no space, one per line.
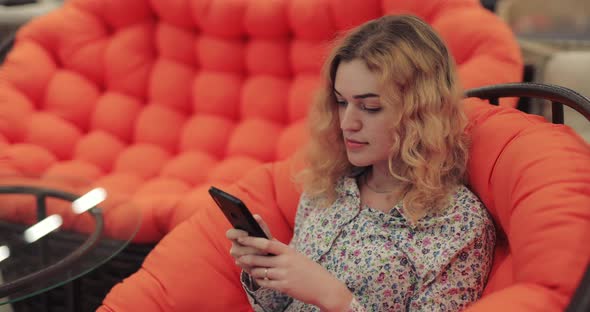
(385,222)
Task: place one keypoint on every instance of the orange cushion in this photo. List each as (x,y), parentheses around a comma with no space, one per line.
(146,88)
(533,176)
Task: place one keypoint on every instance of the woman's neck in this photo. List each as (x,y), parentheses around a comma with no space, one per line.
(379,179)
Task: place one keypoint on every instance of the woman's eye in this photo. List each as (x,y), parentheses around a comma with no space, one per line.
(341,103)
(371,109)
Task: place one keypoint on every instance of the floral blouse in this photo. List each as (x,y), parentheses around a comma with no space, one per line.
(440,263)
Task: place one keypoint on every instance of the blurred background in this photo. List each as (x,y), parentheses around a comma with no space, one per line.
(14,13)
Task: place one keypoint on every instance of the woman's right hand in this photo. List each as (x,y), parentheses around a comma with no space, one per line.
(238,250)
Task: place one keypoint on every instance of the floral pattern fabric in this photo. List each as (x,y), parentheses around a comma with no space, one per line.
(389,263)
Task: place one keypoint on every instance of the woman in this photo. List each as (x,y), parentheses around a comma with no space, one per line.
(385,222)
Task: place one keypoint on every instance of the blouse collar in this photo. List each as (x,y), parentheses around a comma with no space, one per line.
(347,188)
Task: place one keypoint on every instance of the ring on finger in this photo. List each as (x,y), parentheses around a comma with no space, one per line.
(266,274)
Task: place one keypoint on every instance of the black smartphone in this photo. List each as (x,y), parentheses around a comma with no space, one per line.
(236,212)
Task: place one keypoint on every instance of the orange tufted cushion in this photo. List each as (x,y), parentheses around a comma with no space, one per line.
(158,99)
(533,177)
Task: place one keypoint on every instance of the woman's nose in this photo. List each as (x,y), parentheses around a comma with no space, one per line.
(349,119)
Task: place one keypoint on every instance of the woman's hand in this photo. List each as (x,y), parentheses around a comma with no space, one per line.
(238,250)
(292,273)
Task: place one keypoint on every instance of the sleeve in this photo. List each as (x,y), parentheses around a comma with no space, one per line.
(463,279)
(264,299)
(355,306)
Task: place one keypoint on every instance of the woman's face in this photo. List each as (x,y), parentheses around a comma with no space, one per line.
(364,121)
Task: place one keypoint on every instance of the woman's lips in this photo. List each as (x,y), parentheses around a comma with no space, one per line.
(352,144)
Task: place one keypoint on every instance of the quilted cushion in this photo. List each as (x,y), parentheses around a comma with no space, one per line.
(533,176)
(157,100)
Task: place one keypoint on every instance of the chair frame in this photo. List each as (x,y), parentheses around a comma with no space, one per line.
(558,96)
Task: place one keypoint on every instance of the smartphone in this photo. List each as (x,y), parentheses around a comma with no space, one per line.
(236,212)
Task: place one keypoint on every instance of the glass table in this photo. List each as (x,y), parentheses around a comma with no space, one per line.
(53,230)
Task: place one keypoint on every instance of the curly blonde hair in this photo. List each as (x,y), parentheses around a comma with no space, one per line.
(417,77)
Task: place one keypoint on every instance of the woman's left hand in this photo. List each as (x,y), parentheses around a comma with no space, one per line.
(294,274)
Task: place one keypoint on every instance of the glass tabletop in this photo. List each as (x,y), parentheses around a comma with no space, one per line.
(53,230)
